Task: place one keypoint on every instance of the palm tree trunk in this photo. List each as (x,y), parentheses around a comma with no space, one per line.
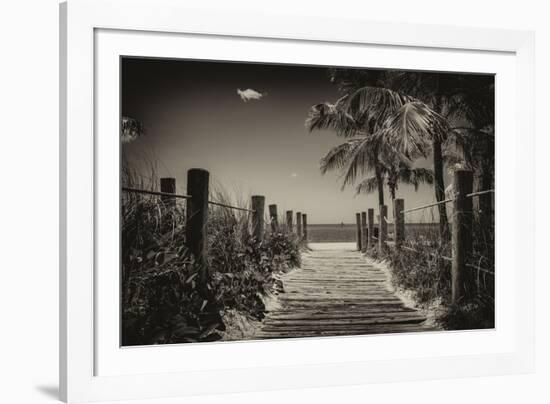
(440,189)
(486,201)
(392,196)
(380,182)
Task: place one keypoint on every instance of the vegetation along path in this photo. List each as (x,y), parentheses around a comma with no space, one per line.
(336,292)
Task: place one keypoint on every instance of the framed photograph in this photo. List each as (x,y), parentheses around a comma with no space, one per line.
(269,205)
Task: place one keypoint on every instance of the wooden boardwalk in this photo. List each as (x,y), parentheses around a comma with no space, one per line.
(336,292)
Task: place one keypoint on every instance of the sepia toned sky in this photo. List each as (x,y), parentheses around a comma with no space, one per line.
(194,117)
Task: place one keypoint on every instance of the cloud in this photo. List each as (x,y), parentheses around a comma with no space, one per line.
(250,94)
(293,175)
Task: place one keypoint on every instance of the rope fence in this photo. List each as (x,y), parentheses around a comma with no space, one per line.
(427,206)
(449,259)
(197,215)
(156,193)
(488,191)
(470,195)
(181,196)
(463,238)
(223,205)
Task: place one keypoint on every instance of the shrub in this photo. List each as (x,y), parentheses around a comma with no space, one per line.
(160,298)
(419,267)
(423,271)
(243,267)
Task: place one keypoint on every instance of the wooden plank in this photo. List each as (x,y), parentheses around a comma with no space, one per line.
(258,206)
(375,329)
(334,324)
(343,306)
(327,298)
(340,315)
(196,220)
(322,321)
(337,293)
(273,217)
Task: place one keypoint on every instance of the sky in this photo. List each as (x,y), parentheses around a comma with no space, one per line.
(194,117)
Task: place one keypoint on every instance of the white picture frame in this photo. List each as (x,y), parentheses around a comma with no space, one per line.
(94,33)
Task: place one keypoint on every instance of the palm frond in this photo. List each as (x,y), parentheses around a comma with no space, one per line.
(417,176)
(370,106)
(413,127)
(367,186)
(337,157)
(331,116)
(362,158)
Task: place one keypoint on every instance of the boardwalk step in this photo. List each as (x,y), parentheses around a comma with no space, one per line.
(333,323)
(337,293)
(375,329)
(321,315)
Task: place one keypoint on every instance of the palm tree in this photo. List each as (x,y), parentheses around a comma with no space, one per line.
(364,151)
(356,157)
(418,118)
(410,113)
(333,117)
(473,110)
(383,123)
(467,103)
(394,175)
(360,154)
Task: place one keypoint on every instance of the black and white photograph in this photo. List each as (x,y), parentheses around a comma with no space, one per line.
(275,202)
(268,201)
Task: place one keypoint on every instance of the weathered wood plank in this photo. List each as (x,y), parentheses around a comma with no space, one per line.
(320,314)
(375,329)
(321,321)
(333,324)
(338,293)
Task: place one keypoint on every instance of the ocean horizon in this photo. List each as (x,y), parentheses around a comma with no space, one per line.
(345,232)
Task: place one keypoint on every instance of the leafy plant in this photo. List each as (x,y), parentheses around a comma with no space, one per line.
(160,299)
(244,268)
(421,267)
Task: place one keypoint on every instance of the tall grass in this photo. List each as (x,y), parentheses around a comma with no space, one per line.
(421,268)
(160,299)
(243,268)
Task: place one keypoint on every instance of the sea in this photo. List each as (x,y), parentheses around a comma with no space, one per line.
(331,233)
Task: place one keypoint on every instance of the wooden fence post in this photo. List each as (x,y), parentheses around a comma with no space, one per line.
(358,230)
(258,207)
(304,226)
(364,231)
(463,282)
(273,217)
(399,221)
(299,224)
(196,219)
(383,232)
(289,225)
(168,185)
(370,229)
